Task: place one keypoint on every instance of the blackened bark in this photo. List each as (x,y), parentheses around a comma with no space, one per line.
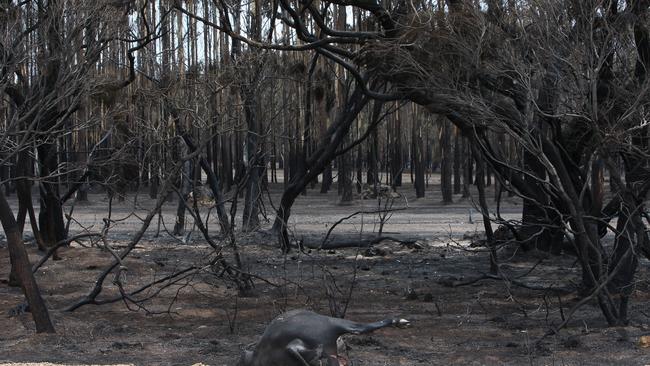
(372,176)
(467,167)
(485,213)
(154,179)
(23,269)
(6,178)
(359,169)
(317,163)
(274,161)
(308,115)
(255,163)
(214,185)
(51,213)
(533,214)
(227,162)
(80,157)
(446,162)
(542,227)
(328,179)
(417,160)
(373,151)
(345,179)
(457,160)
(24,192)
(184,192)
(396,159)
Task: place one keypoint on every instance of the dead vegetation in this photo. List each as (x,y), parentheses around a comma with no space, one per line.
(459,315)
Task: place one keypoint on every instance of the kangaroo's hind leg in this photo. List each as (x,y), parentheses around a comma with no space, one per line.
(306,356)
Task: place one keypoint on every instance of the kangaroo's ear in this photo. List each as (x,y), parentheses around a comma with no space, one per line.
(401,323)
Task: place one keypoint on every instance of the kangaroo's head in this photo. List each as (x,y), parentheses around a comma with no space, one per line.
(401,323)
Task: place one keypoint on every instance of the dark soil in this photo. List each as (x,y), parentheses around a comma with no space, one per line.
(203,318)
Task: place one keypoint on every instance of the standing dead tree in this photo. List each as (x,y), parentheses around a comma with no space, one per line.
(48,53)
(23,270)
(565,81)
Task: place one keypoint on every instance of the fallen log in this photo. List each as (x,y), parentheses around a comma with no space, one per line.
(353,241)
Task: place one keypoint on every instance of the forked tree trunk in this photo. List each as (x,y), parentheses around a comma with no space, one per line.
(23,269)
(24,192)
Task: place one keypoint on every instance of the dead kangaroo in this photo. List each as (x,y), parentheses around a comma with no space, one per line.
(304,338)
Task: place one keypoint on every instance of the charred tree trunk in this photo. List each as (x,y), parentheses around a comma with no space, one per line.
(485,213)
(359,168)
(328,179)
(154,180)
(317,162)
(345,178)
(213,183)
(467,167)
(418,158)
(255,163)
(372,176)
(24,190)
(227,162)
(373,151)
(23,269)
(446,162)
(397,164)
(541,228)
(457,160)
(51,213)
(184,192)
